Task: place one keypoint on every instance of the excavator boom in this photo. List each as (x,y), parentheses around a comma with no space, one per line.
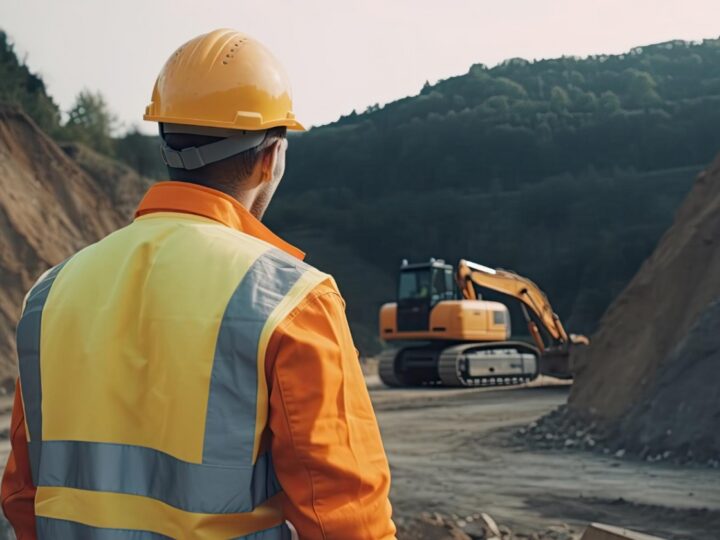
(521,288)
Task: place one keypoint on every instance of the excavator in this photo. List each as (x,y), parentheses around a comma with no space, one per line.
(450,336)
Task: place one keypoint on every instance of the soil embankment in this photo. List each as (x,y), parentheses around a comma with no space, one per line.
(647,384)
(657,309)
(50,206)
(682,413)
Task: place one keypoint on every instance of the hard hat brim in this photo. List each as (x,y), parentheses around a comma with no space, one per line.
(242,122)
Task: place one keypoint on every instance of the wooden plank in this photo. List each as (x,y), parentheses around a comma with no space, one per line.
(598,531)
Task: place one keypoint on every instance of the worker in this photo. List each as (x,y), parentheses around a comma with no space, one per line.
(188,376)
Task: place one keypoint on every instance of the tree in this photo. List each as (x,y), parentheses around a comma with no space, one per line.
(22,88)
(609,102)
(91,122)
(506,87)
(559,100)
(641,88)
(141,152)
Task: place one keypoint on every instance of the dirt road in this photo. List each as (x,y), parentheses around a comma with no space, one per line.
(452,451)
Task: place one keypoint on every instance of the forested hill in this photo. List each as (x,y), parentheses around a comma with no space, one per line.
(566,170)
(656,107)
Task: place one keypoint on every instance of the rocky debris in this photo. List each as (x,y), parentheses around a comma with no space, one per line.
(565,430)
(677,420)
(679,417)
(479,526)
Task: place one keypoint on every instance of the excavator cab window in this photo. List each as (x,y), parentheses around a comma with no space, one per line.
(443,285)
(432,284)
(449,284)
(420,288)
(414,284)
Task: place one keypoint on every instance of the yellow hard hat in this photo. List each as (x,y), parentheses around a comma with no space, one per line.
(223,79)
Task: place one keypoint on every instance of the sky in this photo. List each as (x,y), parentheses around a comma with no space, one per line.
(341,55)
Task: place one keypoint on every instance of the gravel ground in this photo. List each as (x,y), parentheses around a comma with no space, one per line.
(456,453)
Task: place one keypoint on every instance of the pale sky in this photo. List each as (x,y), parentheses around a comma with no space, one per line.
(341,55)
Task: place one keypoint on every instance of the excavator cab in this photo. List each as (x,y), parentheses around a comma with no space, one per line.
(420,287)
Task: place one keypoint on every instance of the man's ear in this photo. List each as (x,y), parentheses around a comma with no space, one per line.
(268,161)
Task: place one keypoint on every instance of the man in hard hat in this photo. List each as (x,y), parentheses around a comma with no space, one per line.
(188,376)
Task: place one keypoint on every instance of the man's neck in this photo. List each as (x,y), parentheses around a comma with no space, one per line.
(248,198)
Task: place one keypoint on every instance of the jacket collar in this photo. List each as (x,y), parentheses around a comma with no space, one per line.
(202,201)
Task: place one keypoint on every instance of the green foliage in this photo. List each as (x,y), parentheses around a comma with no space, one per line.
(546,167)
(566,170)
(90,122)
(641,89)
(559,100)
(581,237)
(141,152)
(609,103)
(652,109)
(24,89)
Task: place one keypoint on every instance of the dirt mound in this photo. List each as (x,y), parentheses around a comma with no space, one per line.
(682,413)
(646,385)
(655,312)
(49,208)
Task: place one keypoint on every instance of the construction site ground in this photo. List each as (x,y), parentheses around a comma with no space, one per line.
(455,452)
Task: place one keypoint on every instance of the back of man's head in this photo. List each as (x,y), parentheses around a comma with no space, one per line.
(228,174)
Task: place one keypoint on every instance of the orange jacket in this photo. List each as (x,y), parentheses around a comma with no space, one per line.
(323,433)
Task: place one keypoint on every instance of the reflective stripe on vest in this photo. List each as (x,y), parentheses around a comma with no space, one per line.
(142,368)
(56,528)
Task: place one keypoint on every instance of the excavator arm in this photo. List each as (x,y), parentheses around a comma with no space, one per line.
(524,290)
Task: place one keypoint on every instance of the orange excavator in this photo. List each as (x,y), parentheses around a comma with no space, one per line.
(451,337)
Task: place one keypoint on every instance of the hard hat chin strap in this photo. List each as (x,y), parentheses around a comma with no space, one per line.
(195,157)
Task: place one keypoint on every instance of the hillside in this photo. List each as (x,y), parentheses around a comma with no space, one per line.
(49,208)
(566,170)
(516,123)
(581,239)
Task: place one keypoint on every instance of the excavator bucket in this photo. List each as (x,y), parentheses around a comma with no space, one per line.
(555,362)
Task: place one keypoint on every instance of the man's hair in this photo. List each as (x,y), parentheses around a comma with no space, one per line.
(228,173)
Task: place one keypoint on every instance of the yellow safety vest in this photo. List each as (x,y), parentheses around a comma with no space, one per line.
(142,371)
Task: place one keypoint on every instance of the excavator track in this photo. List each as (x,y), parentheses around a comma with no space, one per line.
(410,366)
(386,369)
(488,364)
(453,365)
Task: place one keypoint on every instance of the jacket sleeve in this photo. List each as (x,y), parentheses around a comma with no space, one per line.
(18,492)
(326,444)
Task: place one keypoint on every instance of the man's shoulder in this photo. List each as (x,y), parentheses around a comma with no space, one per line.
(276,258)
(276,265)
(269,255)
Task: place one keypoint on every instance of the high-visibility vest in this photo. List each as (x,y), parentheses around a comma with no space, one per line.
(142,366)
